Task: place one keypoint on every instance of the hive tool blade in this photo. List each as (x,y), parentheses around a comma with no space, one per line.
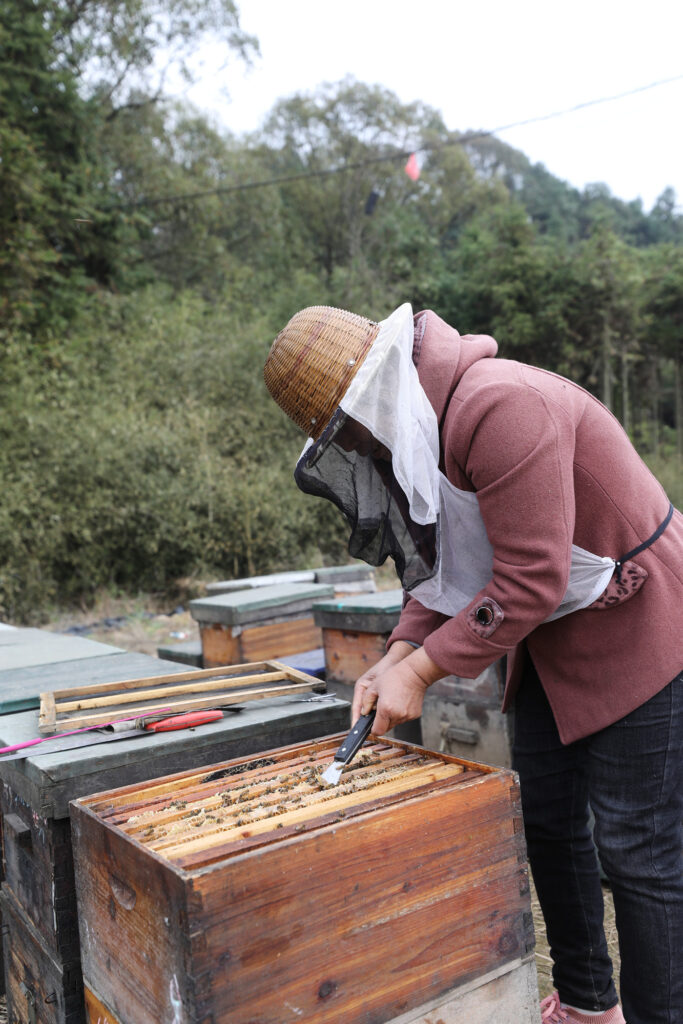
(349,748)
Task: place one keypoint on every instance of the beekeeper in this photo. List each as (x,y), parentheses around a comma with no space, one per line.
(521,522)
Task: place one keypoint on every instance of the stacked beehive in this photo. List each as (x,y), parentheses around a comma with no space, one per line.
(263,622)
(251,892)
(38,895)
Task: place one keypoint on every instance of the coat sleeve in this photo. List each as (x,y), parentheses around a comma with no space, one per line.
(516,448)
(416,623)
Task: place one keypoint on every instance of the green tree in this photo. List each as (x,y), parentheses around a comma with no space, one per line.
(122,50)
(502,279)
(70,70)
(45,175)
(663,309)
(607,312)
(343,144)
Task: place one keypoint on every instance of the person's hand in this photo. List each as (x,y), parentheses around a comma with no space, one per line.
(396,690)
(396,653)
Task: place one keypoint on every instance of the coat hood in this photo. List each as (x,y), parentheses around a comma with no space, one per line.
(442,356)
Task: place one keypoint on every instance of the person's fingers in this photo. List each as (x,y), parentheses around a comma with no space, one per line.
(359,700)
(364,698)
(368,700)
(382,723)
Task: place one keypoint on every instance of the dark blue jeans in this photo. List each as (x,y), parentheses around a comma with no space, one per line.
(631,776)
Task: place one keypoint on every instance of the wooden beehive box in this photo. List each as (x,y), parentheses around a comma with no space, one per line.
(250,893)
(355,631)
(40,986)
(41,940)
(263,622)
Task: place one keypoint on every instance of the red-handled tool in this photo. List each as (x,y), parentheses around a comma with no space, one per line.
(184,721)
(75,740)
(72,732)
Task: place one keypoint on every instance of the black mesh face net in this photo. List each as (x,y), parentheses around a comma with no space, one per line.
(368,495)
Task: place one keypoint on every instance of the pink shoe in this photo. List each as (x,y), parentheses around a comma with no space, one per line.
(552,1012)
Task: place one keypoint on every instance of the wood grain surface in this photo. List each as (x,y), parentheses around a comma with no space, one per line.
(263,898)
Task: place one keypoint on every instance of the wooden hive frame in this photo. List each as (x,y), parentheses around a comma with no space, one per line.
(87,706)
(201,817)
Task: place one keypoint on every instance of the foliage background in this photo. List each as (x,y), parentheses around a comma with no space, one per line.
(147,261)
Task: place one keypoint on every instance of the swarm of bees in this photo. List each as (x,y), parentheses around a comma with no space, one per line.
(231,806)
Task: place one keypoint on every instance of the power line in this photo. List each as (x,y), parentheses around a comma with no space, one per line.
(390,157)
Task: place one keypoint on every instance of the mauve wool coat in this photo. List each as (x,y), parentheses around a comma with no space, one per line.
(551,466)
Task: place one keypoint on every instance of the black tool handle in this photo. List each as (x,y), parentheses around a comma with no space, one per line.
(354,741)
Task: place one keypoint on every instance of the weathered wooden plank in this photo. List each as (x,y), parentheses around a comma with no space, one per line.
(48,713)
(39,871)
(133,913)
(40,987)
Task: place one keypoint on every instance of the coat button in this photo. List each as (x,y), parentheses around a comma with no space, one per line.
(484,614)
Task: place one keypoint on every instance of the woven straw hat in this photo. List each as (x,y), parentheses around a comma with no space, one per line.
(312,362)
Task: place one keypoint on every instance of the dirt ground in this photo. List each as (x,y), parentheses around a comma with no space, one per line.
(144,625)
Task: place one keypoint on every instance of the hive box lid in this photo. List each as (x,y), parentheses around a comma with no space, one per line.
(20,688)
(344,573)
(252,582)
(364,613)
(20,648)
(261,604)
(340,574)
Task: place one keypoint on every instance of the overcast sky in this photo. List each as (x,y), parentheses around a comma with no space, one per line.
(482,65)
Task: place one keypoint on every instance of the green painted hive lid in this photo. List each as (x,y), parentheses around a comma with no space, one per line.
(261,604)
(363,613)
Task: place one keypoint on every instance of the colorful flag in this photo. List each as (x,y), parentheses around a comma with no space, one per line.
(412,168)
